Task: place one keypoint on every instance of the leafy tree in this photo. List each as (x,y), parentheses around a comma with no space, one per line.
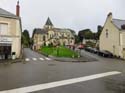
(77,40)
(26,38)
(99,30)
(87,34)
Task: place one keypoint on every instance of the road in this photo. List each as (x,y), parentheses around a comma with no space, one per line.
(45,74)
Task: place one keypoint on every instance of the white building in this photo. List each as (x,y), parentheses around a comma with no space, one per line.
(10,33)
(112,37)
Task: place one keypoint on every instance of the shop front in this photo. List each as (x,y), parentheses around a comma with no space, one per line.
(5,48)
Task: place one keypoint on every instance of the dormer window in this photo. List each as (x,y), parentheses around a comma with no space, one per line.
(107,33)
(123,27)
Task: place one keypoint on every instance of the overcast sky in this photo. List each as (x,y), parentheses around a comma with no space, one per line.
(74,14)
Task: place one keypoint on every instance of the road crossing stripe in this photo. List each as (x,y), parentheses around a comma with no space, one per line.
(39,87)
(41,58)
(48,58)
(34,59)
(27,59)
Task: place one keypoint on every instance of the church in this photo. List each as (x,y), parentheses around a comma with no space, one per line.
(49,35)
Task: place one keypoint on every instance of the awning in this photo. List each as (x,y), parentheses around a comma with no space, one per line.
(5,44)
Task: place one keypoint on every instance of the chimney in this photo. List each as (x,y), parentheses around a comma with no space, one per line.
(18,9)
(110,15)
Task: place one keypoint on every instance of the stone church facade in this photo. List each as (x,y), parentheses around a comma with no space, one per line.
(51,35)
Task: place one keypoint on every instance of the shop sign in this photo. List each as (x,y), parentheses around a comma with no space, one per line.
(5,39)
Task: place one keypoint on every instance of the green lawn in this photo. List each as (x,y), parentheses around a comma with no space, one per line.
(58,52)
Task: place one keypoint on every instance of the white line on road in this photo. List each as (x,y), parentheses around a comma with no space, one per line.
(59,83)
(27,59)
(47,58)
(34,59)
(41,59)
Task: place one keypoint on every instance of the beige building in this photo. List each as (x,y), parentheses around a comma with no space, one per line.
(51,35)
(112,37)
(10,34)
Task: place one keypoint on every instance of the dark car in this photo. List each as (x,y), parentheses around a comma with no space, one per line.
(88,49)
(105,53)
(94,50)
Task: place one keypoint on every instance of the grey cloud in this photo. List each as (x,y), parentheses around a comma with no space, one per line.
(75,14)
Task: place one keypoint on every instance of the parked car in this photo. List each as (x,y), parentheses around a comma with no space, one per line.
(81,46)
(88,49)
(94,50)
(105,53)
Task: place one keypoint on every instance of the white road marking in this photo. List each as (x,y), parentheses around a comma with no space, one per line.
(41,59)
(47,58)
(27,59)
(34,59)
(59,83)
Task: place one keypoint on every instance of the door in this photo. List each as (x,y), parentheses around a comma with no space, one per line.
(5,49)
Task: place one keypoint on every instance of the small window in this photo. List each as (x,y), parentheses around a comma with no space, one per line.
(3,29)
(107,33)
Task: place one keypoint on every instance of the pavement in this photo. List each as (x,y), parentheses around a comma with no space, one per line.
(49,76)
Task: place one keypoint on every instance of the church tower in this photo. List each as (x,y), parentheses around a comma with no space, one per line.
(48,24)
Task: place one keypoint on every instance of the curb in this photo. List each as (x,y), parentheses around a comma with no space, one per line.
(75,60)
(11,61)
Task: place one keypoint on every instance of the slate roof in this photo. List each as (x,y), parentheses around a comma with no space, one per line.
(48,22)
(4,13)
(39,31)
(118,23)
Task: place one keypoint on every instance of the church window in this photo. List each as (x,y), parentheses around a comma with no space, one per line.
(107,33)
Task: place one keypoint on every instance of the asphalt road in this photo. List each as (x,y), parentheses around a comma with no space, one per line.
(39,69)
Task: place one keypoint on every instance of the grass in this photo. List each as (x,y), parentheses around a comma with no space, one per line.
(58,52)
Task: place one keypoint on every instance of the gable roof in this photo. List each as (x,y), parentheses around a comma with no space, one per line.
(118,23)
(39,31)
(48,22)
(4,13)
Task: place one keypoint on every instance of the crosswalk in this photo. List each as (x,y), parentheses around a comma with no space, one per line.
(38,59)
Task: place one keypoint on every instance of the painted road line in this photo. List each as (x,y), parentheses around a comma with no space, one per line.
(27,59)
(47,58)
(34,59)
(41,59)
(59,83)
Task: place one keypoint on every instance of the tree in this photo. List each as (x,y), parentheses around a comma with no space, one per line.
(77,40)
(85,34)
(26,38)
(99,30)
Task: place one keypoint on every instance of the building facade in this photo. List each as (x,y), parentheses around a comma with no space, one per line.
(10,34)
(112,37)
(51,35)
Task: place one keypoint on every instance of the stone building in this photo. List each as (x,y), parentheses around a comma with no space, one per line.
(51,35)
(10,33)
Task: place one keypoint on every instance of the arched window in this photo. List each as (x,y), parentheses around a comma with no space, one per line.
(107,33)
(44,38)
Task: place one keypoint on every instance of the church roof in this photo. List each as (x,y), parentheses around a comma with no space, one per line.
(4,13)
(118,23)
(48,22)
(40,31)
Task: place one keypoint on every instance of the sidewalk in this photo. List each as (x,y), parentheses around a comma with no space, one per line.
(81,59)
(11,61)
